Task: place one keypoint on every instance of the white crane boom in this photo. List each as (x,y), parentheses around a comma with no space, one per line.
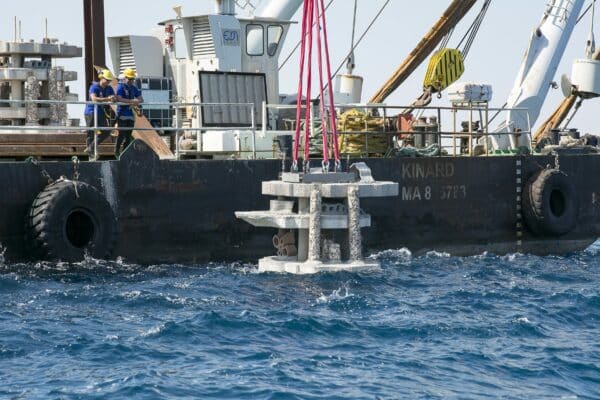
(278,9)
(546,48)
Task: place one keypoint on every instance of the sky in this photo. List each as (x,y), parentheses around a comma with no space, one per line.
(494,58)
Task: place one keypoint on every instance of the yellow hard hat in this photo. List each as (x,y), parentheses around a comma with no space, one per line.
(106,74)
(129,73)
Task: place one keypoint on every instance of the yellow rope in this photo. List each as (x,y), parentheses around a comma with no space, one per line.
(357,144)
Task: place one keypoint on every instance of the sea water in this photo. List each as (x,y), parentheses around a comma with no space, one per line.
(436,326)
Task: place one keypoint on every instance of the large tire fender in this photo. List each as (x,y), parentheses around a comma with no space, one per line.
(68,219)
(550,204)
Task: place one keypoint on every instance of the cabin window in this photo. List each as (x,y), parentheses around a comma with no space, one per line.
(255,40)
(180,44)
(274,33)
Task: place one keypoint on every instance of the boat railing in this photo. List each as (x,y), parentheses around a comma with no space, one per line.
(455,129)
(182,124)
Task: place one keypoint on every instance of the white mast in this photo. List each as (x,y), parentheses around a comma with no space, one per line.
(546,47)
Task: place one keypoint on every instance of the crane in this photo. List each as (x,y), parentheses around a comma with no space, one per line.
(560,113)
(546,47)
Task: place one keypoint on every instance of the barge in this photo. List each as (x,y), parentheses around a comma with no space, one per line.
(176,202)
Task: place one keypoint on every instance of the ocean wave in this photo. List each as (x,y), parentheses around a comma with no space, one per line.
(336,295)
(430,326)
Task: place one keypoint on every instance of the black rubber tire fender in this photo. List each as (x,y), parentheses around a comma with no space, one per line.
(68,219)
(550,203)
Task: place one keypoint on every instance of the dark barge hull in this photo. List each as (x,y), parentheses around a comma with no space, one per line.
(183,211)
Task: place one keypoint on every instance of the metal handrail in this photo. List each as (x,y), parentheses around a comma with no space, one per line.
(440,134)
(176,105)
(268,113)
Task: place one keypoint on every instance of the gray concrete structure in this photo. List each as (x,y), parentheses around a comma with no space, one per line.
(314,229)
(32,94)
(319,215)
(27,68)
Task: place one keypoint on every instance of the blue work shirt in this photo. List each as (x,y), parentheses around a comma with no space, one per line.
(98,91)
(128,92)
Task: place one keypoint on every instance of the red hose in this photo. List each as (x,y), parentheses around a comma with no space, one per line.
(307,123)
(336,151)
(314,9)
(300,89)
(321,91)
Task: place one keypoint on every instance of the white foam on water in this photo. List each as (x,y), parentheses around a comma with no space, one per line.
(182,285)
(338,294)
(177,300)
(437,254)
(134,294)
(155,330)
(482,256)
(248,269)
(512,257)
(594,247)
(402,253)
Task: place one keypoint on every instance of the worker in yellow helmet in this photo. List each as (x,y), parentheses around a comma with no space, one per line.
(129,94)
(98,115)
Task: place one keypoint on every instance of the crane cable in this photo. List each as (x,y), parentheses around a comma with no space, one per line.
(591,43)
(471,33)
(590,50)
(351,60)
(362,36)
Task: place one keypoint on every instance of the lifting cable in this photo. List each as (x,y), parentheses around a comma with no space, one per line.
(590,50)
(362,36)
(314,11)
(471,33)
(446,39)
(591,43)
(433,75)
(585,12)
(351,60)
(474,29)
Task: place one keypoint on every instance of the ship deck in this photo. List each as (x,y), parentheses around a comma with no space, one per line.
(49,145)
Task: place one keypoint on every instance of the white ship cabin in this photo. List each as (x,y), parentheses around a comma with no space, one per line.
(209,59)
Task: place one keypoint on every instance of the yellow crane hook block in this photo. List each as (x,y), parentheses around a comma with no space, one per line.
(445,67)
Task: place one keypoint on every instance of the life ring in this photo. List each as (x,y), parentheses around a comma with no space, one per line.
(550,205)
(69,219)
